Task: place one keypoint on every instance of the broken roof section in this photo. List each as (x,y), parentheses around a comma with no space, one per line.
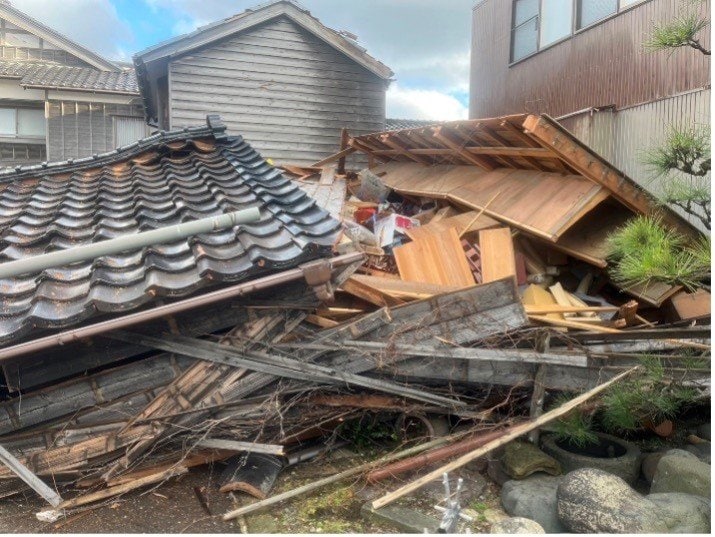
(154,59)
(524,170)
(155,183)
(24,21)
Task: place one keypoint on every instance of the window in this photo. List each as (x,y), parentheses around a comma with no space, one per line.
(591,11)
(525,33)
(22,122)
(556,20)
(536,24)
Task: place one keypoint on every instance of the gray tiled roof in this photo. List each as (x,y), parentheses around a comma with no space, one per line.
(163,180)
(399,124)
(44,74)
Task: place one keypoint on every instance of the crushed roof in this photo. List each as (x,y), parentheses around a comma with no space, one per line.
(163,180)
(45,74)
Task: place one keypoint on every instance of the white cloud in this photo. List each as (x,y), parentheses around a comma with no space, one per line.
(408,103)
(94,24)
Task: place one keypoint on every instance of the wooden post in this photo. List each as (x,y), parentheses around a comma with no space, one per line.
(514,433)
(344,139)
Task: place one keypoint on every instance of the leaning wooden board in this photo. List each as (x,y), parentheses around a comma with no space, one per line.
(435,258)
(464,223)
(497,254)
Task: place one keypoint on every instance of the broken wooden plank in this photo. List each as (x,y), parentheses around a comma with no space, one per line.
(497,254)
(465,223)
(437,259)
(536,297)
(513,434)
(34,482)
(394,292)
(234,445)
(561,297)
(689,306)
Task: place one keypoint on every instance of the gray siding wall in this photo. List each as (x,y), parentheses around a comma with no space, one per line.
(624,136)
(80,129)
(284,90)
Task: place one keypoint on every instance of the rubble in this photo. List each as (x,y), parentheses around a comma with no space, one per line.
(462,276)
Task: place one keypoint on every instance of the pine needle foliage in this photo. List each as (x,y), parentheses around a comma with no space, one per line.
(680,32)
(645,251)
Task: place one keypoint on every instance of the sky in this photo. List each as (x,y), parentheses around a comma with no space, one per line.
(425,42)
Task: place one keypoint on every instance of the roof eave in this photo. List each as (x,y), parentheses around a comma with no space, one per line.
(82,90)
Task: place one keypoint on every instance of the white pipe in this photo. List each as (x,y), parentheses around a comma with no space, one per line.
(130,242)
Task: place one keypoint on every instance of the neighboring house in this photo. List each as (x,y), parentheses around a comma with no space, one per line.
(584,63)
(398,124)
(59,100)
(275,74)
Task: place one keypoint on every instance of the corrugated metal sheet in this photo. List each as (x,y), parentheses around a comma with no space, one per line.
(602,65)
(286,91)
(624,136)
(128,130)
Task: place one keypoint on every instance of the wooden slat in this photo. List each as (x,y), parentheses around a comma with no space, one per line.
(463,223)
(497,254)
(539,298)
(437,259)
(399,289)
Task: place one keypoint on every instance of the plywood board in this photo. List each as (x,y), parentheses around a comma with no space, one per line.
(536,296)
(464,223)
(436,258)
(497,253)
(542,203)
(329,196)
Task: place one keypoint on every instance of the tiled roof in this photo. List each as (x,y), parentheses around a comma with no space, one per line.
(44,74)
(163,180)
(399,124)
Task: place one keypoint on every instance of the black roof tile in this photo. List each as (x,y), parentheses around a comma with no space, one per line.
(160,181)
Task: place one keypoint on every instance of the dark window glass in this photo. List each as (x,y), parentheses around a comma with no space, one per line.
(591,11)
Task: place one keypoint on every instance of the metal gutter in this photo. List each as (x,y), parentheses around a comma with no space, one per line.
(127,242)
(71,336)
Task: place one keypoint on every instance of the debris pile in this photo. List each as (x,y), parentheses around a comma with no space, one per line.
(463,268)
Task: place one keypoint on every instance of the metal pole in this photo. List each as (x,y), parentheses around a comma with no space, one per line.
(129,242)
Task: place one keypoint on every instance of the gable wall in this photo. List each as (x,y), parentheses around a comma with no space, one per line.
(11,50)
(286,91)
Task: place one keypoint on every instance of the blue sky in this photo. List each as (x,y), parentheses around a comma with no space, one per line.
(425,42)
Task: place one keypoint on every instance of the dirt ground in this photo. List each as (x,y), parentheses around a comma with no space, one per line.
(174,507)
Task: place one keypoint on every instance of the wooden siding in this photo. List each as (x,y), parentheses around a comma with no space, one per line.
(82,129)
(21,154)
(43,53)
(286,91)
(601,65)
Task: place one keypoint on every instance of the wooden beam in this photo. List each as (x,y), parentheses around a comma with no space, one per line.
(512,434)
(332,158)
(389,140)
(447,139)
(592,167)
(241,447)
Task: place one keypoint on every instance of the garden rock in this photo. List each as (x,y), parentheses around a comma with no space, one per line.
(521,459)
(516,525)
(681,471)
(613,455)
(649,464)
(534,498)
(593,501)
(701,451)
(683,513)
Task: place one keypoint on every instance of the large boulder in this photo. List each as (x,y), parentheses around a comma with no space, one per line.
(594,501)
(683,513)
(534,498)
(516,525)
(680,471)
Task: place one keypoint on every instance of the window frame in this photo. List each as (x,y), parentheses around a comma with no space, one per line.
(24,138)
(621,7)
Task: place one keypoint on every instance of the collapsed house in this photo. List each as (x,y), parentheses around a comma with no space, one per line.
(126,368)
